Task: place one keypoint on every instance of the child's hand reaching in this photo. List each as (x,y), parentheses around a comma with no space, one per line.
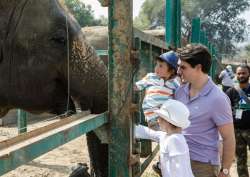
(135,88)
(153,125)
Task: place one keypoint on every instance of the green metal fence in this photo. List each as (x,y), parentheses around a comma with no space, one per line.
(199,36)
(28,146)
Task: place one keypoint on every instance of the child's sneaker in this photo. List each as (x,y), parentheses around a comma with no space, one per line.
(157,169)
(81,170)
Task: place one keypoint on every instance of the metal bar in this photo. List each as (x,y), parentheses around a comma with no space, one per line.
(147,53)
(136,146)
(120,87)
(216,64)
(211,52)
(18,154)
(102,52)
(25,136)
(172,20)
(21,121)
(196,27)
(146,66)
(202,37)
(145,164)
(206,40)
(150,39)
(178,23)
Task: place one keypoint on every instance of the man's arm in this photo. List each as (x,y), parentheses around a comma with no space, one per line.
(234,98)
(227,133)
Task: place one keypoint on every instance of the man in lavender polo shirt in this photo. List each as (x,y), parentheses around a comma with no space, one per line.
(210,114)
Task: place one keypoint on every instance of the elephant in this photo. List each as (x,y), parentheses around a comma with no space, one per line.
(46,64)
(97,36)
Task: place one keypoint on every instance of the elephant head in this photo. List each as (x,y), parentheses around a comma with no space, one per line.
(45,60)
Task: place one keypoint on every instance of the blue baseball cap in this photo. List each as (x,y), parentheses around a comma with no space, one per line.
(171,58)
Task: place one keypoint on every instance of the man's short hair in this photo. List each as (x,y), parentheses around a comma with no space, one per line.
(195,54)
(244,66)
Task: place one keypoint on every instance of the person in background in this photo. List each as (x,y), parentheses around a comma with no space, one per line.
(174,153)
(240,95)
(159,86)
(227,78)
(199,94)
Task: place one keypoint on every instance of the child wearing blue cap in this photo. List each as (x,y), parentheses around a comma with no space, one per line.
(159,86)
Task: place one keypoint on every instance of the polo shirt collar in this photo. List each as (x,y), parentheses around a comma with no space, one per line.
(205,90)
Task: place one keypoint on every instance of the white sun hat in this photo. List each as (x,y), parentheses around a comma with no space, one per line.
(175,112)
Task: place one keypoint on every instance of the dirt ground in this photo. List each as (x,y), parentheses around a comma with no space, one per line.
(58,162)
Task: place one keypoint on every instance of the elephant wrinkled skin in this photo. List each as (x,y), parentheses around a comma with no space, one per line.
(44,57)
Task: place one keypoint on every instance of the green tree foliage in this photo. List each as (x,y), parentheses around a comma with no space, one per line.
(103,21)
(220,19)
(152,14)
(247,49)
(222,23)
(83,13)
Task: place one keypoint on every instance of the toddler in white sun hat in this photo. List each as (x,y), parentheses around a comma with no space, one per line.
(174,152)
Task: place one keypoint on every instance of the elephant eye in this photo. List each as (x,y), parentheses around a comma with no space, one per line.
(59,37)
(60,40)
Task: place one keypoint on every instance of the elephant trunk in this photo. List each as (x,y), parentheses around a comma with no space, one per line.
(88,76)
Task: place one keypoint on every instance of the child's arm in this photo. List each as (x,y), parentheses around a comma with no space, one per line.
(140,85)
(144,82)
(143,132)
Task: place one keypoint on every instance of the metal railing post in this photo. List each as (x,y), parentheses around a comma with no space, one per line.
(173,23)
(21,121)
(120,87)
(196,27)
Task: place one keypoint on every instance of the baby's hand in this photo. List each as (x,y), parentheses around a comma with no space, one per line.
(135,88)
(153,124)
